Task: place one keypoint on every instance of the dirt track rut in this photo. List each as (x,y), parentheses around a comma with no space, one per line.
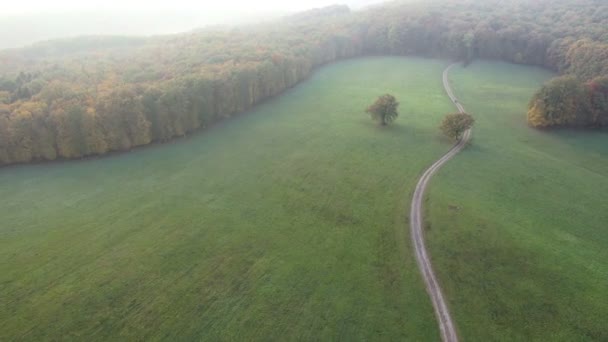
(444,319)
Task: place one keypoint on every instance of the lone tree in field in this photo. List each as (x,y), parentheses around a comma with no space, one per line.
(384,110)
(454,125)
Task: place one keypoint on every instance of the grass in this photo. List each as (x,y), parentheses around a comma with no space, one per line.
(519,221)
(285,223)
(289,222)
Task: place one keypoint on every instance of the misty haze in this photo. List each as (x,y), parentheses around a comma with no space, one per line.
(28,22)
(304,170)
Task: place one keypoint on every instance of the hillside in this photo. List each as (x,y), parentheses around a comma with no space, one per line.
(89,96)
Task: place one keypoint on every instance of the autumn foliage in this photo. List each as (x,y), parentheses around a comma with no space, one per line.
(454,125)
(91,95)
(566,101)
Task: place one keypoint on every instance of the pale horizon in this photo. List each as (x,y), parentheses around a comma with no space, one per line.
(31,21)
(70,6)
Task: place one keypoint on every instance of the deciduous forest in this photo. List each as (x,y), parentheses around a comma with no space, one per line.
(92,95)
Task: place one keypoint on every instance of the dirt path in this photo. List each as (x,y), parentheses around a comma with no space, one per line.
(446,325)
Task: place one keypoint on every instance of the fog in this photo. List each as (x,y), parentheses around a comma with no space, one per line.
(26,22)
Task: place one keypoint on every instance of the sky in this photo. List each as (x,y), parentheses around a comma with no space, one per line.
(25,22)
(58,6)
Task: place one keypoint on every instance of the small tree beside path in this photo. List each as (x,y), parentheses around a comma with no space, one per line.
(454,125)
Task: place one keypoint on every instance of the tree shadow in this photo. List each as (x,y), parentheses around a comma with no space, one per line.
(580,139)
(394,128)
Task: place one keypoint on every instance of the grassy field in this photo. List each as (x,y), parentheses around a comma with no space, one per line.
(286,223)
(289,222)
(519,221)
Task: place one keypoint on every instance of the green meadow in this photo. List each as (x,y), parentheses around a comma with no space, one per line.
(518,223)
(289,222)
(284,223)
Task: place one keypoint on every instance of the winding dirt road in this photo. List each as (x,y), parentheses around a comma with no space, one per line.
(446,325)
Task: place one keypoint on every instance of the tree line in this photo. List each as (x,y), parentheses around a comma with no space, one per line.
(88,96)
(565,101)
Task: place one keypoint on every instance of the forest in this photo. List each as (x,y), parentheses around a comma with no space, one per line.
(88,96)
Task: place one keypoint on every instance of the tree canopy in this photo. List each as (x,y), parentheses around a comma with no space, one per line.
(454,125)
(384,110)
(565,101)
(91,95)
